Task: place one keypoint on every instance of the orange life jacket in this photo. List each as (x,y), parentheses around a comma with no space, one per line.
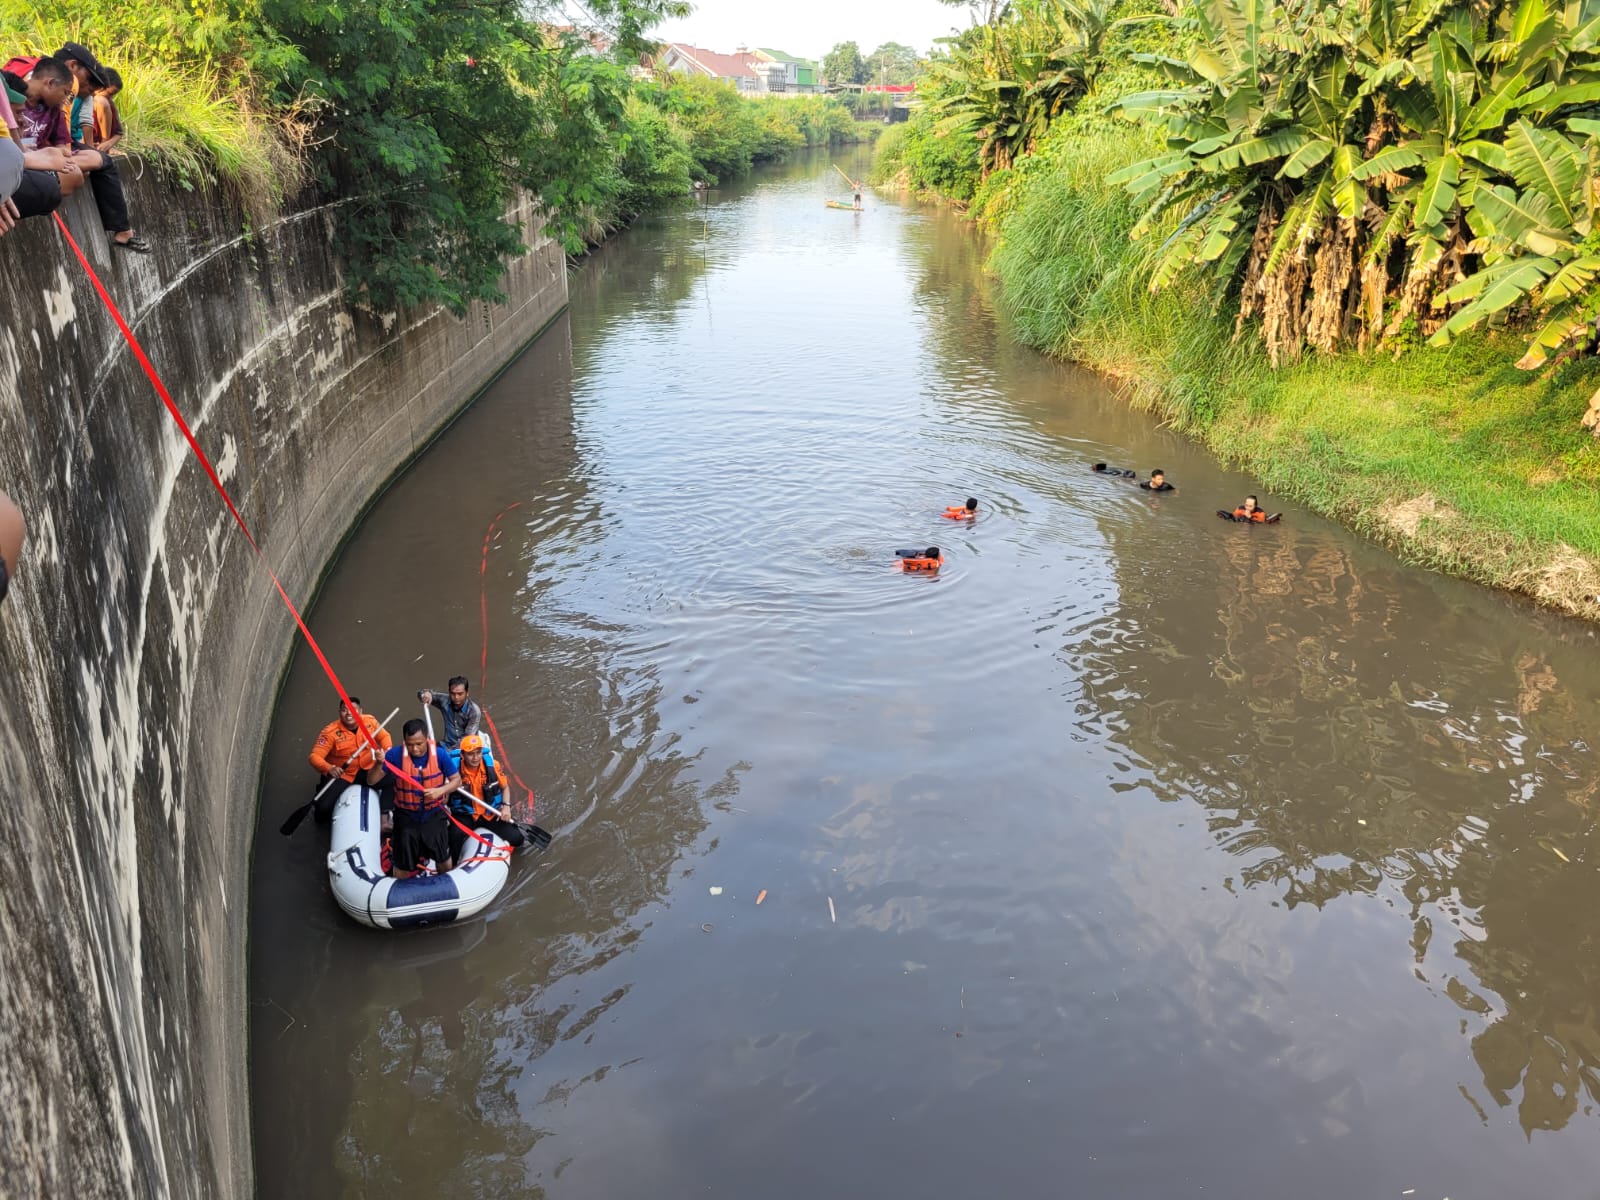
(1239,514)
(956,512)
(477,782)
(410,783)
(921,564)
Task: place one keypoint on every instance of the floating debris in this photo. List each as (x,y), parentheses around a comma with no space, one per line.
(832,916)
(762,895)
(716,891)
(707,927)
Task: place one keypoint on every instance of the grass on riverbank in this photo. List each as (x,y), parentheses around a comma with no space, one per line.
(1454,457)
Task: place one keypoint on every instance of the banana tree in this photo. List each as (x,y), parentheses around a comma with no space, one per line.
(1541,248)
(1328,161)
(1008,79)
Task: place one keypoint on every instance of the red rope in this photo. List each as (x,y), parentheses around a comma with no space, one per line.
(188,435)
(483,654)
(216,482)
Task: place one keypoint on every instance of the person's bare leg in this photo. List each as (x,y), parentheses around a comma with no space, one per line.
(13,531)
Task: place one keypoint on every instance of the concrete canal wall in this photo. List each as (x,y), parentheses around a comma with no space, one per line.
(142,642)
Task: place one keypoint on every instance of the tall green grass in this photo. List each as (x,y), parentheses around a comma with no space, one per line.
(1355,436)
(183,116)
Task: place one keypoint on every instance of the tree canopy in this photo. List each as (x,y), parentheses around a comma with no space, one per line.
(844,64)
(892,63)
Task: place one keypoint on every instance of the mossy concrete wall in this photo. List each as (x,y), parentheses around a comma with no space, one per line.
(142,641)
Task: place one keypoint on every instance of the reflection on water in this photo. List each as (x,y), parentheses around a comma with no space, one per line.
(1136,854)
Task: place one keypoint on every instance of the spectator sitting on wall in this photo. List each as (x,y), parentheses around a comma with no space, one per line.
(12,530)
(107,120)
(11,173)
(102,169)
(8,117)
(52,174)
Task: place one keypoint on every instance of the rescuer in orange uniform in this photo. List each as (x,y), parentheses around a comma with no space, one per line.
(342,751)
(481,776)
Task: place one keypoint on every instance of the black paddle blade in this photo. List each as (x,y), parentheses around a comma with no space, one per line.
(539,837)
(908,553)
(1274,518)
(296,818)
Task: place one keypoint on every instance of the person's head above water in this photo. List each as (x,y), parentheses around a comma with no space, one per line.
(1099,466)
(931,552)
(1250,504)
(972,504)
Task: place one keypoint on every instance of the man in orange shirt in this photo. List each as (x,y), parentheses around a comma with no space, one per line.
(342,751)
(481,776)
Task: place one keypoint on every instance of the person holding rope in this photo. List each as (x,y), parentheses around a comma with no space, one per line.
(483,778)
(425,775)
(341,750)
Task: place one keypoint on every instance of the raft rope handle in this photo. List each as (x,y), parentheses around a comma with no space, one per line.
(483,655)
(211,473)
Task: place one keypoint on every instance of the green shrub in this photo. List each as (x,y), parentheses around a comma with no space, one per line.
(655,166)
(921,158)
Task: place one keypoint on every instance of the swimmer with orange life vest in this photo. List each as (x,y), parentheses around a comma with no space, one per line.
(923,562)
(1249,512)
(962,512)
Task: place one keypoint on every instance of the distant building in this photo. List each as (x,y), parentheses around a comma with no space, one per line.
(758,72)
(785,73)
(738,68)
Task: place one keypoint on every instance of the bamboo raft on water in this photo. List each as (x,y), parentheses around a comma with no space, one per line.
(854,187)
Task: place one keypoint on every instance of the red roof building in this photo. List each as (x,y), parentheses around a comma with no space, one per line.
(738,68)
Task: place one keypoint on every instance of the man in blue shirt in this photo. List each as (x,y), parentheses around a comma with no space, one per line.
(424,777)
(461,715)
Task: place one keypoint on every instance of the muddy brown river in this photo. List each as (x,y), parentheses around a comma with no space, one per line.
(1136,854)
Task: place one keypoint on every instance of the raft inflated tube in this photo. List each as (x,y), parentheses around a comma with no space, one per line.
(367,895)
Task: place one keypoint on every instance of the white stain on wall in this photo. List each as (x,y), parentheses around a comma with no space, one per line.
(58,303)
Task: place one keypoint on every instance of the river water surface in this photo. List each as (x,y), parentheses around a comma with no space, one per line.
(1135,855)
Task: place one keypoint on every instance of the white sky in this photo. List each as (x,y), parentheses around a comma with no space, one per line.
(811,28)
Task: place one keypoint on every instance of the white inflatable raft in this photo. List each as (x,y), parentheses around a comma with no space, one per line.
(355,873)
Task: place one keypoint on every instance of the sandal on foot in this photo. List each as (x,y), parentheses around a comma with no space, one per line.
(136,244)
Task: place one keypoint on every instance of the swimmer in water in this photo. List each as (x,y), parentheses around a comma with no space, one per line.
(1120,473)
(1157,482)
(920,560)
(962,513)
(1249,510)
